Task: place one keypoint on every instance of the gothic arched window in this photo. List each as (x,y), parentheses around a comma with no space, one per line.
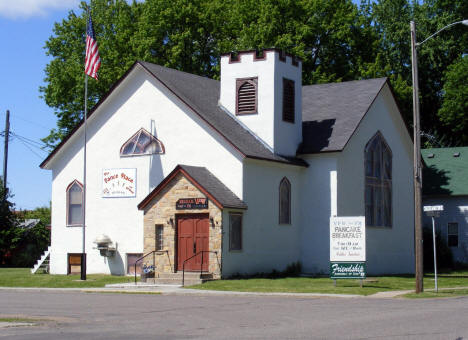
(285,201)
(378,174)
(75,204)
(142,143)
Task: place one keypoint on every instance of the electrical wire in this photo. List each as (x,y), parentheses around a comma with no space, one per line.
(30,149)
(39,144)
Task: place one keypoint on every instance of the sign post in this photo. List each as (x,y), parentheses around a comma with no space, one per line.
(434,211)
(347,248)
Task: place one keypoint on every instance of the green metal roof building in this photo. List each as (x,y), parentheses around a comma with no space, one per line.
(445,182)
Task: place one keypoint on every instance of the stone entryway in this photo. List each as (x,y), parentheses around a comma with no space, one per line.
(186,209)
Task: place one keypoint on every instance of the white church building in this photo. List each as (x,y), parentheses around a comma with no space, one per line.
(247,171)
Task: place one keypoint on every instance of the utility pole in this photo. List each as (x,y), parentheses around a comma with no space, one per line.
(5,153)
(417,171)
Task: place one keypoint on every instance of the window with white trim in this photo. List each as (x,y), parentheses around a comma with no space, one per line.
(142,143)
(75,204)
(235,231)
(378,187)
(452,234)
(285,201)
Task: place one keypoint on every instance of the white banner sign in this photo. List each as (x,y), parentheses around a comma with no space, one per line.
(118,182)
(347,239)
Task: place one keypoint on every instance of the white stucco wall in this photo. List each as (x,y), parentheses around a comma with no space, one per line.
(455,210)
(318,202)
(389,250)
(267,124)
(266,244)
(139,101)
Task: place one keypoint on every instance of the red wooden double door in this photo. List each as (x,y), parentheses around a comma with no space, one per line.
(192,237)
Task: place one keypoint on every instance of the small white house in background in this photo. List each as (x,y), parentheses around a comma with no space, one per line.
(246,170)
(445,182)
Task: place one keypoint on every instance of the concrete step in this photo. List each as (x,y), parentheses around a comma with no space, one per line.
(188,275)
(188,282)
(191,278)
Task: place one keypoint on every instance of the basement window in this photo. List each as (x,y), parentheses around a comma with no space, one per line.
(246,96)
(142,143)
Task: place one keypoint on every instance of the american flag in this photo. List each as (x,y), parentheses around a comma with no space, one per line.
(92,60)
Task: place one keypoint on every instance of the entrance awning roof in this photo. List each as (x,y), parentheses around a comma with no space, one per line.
(205,181)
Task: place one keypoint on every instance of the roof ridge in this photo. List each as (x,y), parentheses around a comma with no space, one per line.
(347,82)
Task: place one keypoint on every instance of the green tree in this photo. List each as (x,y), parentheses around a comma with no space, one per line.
(10,235)
(454,110)
(393,59)
(336,39)
(34,240)
(114,24)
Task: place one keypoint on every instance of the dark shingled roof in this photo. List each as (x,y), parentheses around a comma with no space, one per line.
(445,174)
(202,95)
(332,112)
(214,186)
(205,181)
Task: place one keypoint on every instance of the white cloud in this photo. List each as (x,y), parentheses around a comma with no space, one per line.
(29,8)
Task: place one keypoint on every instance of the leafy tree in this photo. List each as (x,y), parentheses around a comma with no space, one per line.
(391,20)
(34,240)
(336,39)
(454,110)
(10,235)
(114,24)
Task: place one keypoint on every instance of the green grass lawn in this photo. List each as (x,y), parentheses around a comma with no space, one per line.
(22,277)
(325,285)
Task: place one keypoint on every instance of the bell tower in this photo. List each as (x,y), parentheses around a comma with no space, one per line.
(264,92)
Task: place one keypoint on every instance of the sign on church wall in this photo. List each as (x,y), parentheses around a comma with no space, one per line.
(118,182)
(192,203)
(347,247)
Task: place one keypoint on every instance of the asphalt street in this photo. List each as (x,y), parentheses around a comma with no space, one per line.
(81,315)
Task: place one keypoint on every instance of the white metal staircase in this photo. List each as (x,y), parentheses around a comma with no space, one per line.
(42,263)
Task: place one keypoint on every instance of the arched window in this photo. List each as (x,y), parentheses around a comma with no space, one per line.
(246,101)
(378,191)
(142,143)
(75,204)
(285,201)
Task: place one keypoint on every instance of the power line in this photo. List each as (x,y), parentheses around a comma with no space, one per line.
(40,144)
(30,122)
(27,141)
(30,149)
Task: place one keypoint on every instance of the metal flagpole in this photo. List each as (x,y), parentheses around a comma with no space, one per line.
(83,255)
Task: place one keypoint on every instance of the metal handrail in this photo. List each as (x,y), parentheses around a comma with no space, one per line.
(201,264)
(141,258)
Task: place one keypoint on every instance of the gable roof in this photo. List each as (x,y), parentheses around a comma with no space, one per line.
(200,94)
(205,181)
(445,174)
(332,112)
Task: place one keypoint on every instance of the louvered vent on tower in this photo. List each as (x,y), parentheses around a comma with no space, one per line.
(288,100)
(246,96)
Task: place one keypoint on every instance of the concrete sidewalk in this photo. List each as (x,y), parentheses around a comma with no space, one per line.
(142,288)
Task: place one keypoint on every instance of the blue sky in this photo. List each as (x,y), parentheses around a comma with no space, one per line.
(25,25)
